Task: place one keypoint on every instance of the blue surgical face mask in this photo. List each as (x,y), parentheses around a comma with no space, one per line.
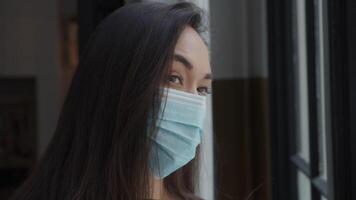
(179,128)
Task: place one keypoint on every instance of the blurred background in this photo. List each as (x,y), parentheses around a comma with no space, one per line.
(281,119)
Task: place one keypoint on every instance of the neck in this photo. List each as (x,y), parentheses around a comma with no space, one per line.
(158,189)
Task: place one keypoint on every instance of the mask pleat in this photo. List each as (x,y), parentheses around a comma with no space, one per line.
(179,127)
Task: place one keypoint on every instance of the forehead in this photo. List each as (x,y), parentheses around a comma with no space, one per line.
(192,46)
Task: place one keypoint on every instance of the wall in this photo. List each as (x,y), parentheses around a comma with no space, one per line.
(29,47)
(228,39)
(239,61)
(238,38)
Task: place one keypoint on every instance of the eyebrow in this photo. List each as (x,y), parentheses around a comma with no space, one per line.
(183,60)
(208,76)
(187,64)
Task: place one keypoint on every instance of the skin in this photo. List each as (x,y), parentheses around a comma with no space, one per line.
(190,72)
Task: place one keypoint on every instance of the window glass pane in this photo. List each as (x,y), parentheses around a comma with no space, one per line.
(304,186)
(301,80)
(322,85)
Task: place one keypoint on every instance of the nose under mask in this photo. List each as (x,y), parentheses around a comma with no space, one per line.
(179,130)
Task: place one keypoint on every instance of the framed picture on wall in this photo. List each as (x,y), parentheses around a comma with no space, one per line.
(18,136)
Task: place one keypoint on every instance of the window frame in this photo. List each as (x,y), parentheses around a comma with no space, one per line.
(341,153)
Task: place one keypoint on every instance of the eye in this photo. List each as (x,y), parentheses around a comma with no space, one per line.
(203,91)
(175,79)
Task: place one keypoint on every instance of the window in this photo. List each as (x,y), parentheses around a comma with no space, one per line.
(312,94)
(310,98)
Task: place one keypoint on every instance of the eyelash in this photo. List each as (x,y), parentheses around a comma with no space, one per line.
(180,79)
(207,90)
(177,77)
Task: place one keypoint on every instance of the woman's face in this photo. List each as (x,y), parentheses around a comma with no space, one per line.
(190,71)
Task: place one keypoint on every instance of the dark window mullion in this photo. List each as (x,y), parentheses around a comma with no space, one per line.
(281,99)
(312,96)
(291,100)
(351,32)
(340,104)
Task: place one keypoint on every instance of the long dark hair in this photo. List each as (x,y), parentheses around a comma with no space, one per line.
(100,148)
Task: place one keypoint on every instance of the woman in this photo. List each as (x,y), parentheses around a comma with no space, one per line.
(132,119)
